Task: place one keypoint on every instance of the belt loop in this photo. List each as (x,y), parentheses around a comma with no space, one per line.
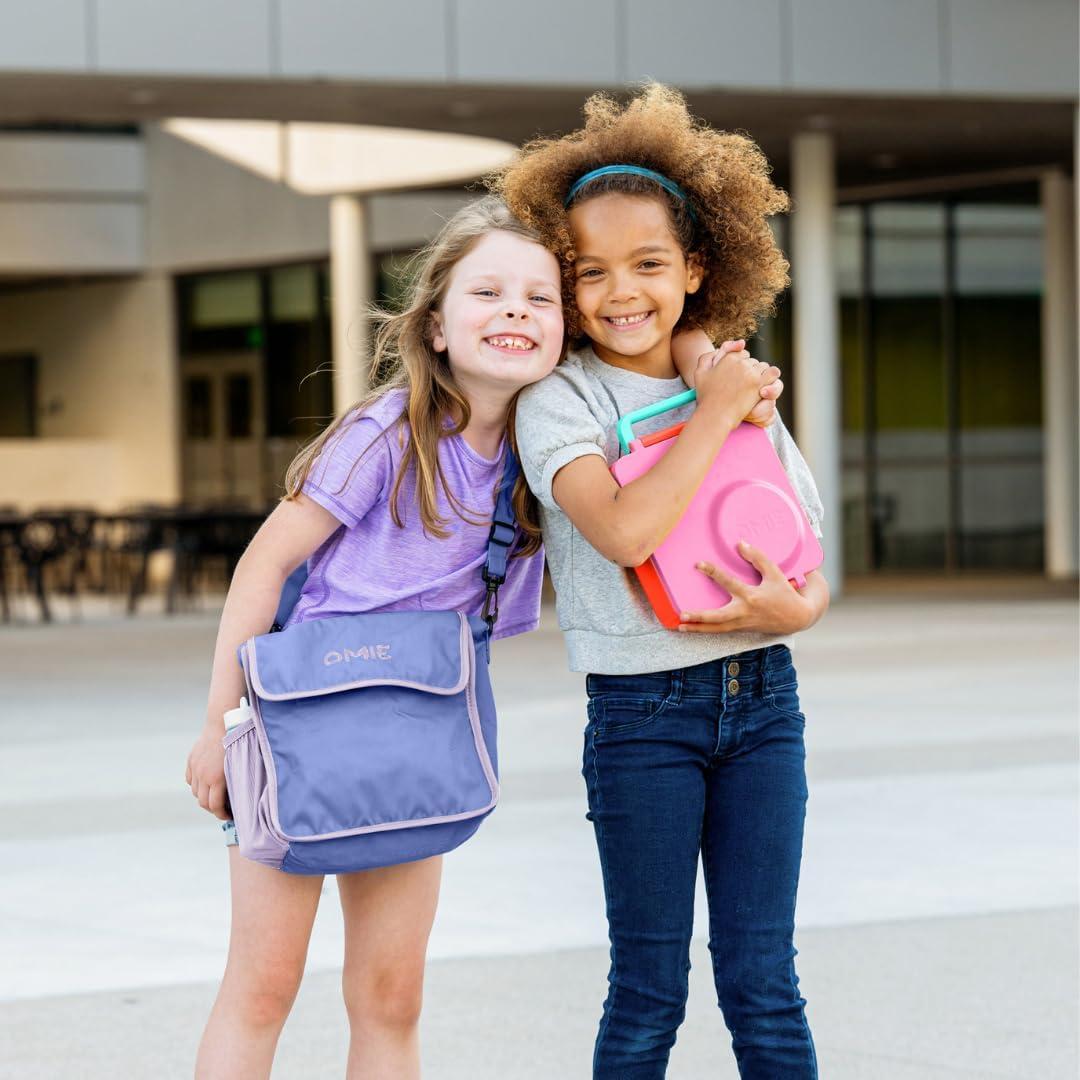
(678,677)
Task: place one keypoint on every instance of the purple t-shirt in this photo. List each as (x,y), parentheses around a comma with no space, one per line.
(372,565)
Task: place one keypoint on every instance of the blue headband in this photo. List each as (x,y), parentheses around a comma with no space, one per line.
(631,170)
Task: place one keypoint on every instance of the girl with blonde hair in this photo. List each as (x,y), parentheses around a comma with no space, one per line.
(390,508)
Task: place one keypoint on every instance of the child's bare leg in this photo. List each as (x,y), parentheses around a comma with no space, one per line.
(272,915)
(388,916)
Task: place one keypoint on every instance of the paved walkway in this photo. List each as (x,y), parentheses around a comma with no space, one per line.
(937,907)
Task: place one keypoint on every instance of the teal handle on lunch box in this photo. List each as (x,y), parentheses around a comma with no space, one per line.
(627,422)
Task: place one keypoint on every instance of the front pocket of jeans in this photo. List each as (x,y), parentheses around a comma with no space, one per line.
(618,713)
(782,685)
(785,700)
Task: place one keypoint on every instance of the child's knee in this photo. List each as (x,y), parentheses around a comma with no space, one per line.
(264,997)
(389,996)
(266,1006)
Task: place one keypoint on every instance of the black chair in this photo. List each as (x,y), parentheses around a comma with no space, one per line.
(76,536)
(208,533)
(11,525)
(41,541)
(138,532)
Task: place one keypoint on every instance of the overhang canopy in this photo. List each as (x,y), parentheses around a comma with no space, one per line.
(325,159)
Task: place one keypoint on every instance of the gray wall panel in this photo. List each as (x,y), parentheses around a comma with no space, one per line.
(706,43)
(347,39)
(558,41)
(248,220)
(46,35)
(198,36)
(72,164)
(993,47)
(874,45)
(1013,46)
(70,237)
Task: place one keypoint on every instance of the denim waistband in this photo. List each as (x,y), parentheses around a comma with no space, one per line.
(751,663)
(751,668)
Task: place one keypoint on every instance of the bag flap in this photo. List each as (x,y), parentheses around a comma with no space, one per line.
(421,650)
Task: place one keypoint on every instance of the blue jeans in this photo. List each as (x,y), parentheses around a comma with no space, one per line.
(702,760)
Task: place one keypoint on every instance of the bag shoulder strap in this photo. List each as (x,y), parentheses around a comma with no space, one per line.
(500,539)
(290,593)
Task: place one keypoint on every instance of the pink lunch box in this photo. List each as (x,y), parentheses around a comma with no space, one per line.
(746,495)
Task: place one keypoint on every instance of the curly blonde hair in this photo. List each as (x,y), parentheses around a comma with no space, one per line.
(724,223)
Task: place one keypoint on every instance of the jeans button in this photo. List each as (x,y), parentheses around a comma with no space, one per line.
(733,687)
(733,668)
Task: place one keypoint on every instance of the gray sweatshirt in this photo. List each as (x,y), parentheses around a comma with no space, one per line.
(609,626)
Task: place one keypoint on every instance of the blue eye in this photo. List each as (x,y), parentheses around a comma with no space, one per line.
(483,292)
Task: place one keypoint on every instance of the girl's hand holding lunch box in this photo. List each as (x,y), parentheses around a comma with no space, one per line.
(774,606)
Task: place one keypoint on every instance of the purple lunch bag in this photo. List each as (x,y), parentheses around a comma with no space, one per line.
(372,739)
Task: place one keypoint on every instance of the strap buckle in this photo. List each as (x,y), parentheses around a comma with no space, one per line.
(494,577)
(490,611)
(495,538)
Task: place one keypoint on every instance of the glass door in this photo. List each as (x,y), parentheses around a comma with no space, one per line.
(941,370)
(908,392)
(999,395)
(223,428)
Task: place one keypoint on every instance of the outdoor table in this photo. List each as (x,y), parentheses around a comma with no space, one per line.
(37,538)
(190,533)
(202,532)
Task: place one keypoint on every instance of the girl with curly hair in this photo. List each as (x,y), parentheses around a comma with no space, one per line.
(694,744)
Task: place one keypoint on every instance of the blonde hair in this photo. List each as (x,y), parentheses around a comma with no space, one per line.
(404,355)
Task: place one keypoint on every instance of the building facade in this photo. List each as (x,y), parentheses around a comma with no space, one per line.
(174,320)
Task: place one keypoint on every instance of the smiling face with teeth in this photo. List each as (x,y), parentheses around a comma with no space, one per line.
(631,278)
(500,321)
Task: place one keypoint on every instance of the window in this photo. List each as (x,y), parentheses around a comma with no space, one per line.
(18,396)
(220,312)
(198,408)
(282,315)
(941,363)
(299,398)
(999,391)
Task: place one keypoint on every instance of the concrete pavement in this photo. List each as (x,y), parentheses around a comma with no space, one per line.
(937,905)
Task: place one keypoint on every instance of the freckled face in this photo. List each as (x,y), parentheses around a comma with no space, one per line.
(501,321)
(630,280)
